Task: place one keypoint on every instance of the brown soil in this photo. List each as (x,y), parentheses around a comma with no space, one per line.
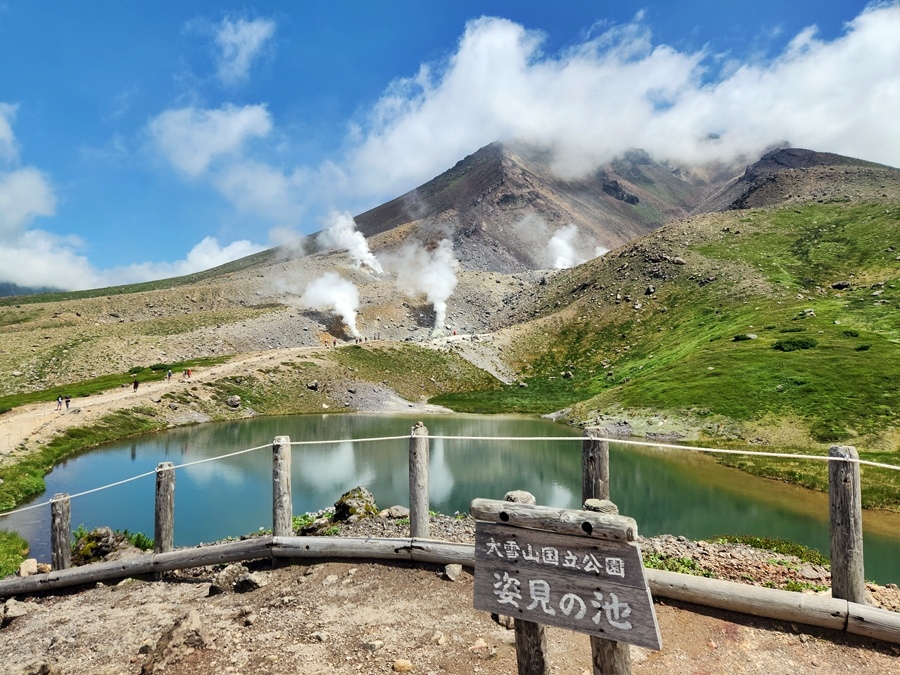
(345,617)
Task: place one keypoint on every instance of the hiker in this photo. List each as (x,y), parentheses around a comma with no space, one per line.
(59,402)
(67,401)
(135,384)
(169,374)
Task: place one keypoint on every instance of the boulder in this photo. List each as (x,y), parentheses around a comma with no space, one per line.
(233,401)
(28,567)
(396,511)
(357,502)
(186,635)
(102,544)
(226,580)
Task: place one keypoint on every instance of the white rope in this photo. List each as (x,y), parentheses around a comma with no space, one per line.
(357,440)
(670,446)
(654,444)
(217,457)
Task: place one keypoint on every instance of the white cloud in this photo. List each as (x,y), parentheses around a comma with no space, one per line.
(260,189)
(34,257)
(599,98)
(618,91)
(193,138)
(205,255)
(240,43)
(38,258)
(24,194)
(8,151)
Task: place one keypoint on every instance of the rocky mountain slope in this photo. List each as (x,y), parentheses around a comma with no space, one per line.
(501,206)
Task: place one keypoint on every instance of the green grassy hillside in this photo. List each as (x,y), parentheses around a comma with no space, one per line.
(754,316)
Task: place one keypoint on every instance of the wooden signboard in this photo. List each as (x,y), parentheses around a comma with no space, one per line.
(583,573)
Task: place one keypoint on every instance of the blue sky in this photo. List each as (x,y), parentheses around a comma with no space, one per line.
(147,140)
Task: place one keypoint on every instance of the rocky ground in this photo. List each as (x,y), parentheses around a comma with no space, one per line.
(362,617)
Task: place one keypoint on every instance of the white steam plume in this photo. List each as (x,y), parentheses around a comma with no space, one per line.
(340,233)
(565,247)
(331,292)
(432,274)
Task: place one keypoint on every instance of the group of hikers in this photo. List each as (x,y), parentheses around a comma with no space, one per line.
(186,374)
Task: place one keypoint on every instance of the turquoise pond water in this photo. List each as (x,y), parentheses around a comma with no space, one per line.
(672,492)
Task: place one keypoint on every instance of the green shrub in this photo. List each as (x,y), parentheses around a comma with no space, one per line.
(782,546)
(863,347)
(740,337)
(138,540)
(13,549)
(794,343)
(793,329)
(850,333)
(825,431)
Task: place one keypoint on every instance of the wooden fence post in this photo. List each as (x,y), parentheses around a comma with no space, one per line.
(845,504)
(282,506)
(609,657)
(594,466)
(164,520)
(531,638)
(419,518)
(60,527)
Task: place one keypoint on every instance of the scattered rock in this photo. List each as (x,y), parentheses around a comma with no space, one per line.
(183,637)
(452,571)
(356,502)
(28,567)
(249,581)
(225,580)
(396,511)
(39,667)
(402,666)
(102,544)
(13,609)
(233,401)
(840,285)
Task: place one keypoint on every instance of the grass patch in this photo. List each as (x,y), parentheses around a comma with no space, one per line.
(103,383)
(25,479)
(658,561)
(776,545)
(13,549)
(795,343)
(413,371)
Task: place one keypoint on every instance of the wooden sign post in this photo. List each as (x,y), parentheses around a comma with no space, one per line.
(578,570)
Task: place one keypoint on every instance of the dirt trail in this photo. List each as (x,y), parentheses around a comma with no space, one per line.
(38,422)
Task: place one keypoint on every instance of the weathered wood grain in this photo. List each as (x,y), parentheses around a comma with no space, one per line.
(282,506)
(845,505)
(563,521)
(164,514)
(60,526)
(419,518)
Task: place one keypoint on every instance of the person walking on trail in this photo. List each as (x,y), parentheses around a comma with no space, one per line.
(59,402)
(135,384)
(169,374)
(67,399)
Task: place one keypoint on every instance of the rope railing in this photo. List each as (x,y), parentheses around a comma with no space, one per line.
(375,439)
(845,510)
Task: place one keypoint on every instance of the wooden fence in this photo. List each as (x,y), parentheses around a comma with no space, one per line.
(845,610)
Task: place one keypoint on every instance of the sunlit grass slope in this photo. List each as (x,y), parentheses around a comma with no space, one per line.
(706,339)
